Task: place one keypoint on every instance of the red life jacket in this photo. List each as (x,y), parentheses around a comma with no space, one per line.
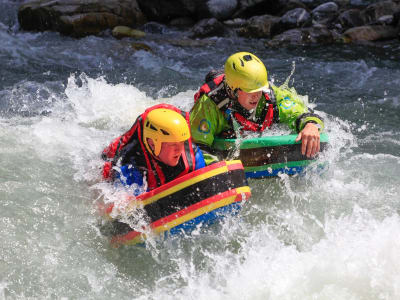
(246,124)
(155,175)
(209,86)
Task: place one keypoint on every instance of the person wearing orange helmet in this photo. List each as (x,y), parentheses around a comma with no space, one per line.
(240,98)
(158,147)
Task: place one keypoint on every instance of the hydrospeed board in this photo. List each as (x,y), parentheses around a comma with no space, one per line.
(268,156)
(199,197)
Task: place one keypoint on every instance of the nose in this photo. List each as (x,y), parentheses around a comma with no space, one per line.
(178,148)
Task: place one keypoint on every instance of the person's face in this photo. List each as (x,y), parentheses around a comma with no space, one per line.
(249,100)
(170,152)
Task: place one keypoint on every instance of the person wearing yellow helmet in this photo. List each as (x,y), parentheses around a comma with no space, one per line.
(240,98)
(158,147)
(164,134)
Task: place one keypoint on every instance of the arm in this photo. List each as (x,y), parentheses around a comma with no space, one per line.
(129,176)
(294,113)
(204,157)
(206,121)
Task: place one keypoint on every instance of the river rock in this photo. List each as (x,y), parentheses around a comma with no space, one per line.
(312,4)
(79,17)
(163,11)
(250,8)
(325,13)
(141,46)
(298,17)
(218,9)
(208,28)
(369,33)
(360,3)
(396,18)
(293,4)
(374,11)
(259,27)
(182,22)
(385,20)
(302,36)
(236,23)
(351,18)
(125,31)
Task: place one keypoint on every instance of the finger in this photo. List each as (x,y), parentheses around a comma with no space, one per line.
(310,145)
(314,148)
(304,145)
(298,137)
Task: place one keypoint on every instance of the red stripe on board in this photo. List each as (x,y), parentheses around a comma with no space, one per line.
(121,239)
(132,234)
(237,166)
(193,207)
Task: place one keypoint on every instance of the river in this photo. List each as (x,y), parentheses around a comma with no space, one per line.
(330,235)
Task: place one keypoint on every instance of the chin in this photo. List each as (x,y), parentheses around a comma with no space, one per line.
(173,163)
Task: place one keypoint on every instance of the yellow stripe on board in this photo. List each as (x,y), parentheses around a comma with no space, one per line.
(134,203)
(190,216)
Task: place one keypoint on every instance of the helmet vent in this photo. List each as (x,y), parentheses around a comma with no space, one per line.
(247,57)
(152,127)
(164,132)
(241,62)
(234,66)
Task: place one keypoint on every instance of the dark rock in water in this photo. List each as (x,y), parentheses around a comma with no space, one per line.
(208,28)
(236,23)
(206,9)
(295,18)
(220,10)
(183,22)
(311,4)
(396,18)
(77,17)
(351,18)
(293,4)
(370,33)
(248,9)
(302,36)
(163,11)
(259,27)
(154,27)
(141,46)
(374,11)
(325,13)
(385,20)
(361,3)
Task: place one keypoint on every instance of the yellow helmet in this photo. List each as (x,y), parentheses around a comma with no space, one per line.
(164,125)
(245,71)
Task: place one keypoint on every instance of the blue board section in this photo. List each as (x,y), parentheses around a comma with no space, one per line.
(274,173)
(208,218)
